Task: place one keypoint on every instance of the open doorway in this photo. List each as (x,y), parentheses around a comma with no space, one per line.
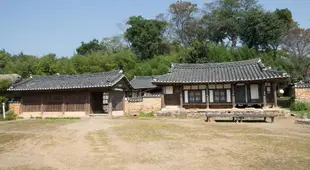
(99,102)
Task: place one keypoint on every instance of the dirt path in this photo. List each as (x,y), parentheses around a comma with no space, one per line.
(96,143)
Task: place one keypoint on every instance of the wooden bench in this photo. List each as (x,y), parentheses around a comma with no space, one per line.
(239,116)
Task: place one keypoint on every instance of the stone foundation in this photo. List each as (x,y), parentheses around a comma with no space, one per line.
(199,113)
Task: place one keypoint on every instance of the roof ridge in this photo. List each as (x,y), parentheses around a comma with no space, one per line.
(216,64)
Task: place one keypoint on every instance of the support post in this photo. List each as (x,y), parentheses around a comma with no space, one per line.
(207,98)
(274,88)
(3,110)
(233,97)
(264,95)
(246,93)
(63,107)
(42,106)
(181,97)
(110,105)
(21,106)
(87,103)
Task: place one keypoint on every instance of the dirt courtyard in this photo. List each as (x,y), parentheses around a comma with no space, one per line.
(154,143)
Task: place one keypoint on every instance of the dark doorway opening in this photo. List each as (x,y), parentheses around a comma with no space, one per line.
(99,102)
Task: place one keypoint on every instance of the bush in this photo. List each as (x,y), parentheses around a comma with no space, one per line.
(38,117)
(146,114)
(9,116)
(299,106)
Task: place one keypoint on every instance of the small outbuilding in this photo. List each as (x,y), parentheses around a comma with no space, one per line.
(71,95)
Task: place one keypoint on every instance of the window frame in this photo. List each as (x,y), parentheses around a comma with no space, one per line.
(195,92)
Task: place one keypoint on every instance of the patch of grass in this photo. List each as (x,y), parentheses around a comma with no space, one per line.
(97,139)
(146,114)
(28,125)
(62,118)
(8,140)
(301,113)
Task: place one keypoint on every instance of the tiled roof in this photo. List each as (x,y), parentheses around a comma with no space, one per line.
(247,70)
(142,82)
(58,82)
(302,85)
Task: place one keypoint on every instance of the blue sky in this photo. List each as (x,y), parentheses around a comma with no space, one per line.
(40,27)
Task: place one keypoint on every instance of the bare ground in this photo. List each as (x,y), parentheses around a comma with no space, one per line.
(102,143)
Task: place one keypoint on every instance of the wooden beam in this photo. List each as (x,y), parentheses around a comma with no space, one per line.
(233,97)
(207,98)
(87,103)
(21,106)
(181,97)
(110,105)
(246,92)
(264,95)
(42,105)
(63,108)
(274,88)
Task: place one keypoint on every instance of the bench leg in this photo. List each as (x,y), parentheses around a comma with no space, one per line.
(241,120)
(272,119)
(233,119)
(264,119)
(206,119)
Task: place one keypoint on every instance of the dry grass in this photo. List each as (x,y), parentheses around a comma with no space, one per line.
(29,168)
(29,125)
(7,140)
(153,143)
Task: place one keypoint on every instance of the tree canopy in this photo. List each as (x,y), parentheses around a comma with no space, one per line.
(220,31)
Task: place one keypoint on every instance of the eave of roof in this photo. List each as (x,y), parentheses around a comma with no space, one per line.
(116,75)
(247,70)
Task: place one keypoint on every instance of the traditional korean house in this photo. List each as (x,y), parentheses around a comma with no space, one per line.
(71,95)
(220,85)
(143,86)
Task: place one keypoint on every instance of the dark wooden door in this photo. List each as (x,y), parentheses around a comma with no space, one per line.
(117,100)
(240,93)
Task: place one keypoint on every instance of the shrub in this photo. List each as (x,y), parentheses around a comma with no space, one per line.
(146,114)
(38,117)
(19,117)
(9,116)
(299,106)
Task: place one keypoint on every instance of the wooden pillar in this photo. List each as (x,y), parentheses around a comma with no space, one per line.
(246,92)
(21,106)
(181,97)
(233,97)
(63,107)
(163,97)
(42,105)
(274,88)
(87,103)
(264,95)
(207,98)
(110,104)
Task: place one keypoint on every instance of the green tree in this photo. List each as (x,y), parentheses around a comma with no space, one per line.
(297,44)
(184,24)
(146,37)
(5,59)
(91,46)
(47,65)
(222,19)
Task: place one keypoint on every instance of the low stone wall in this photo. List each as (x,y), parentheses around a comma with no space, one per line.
(302,94)
(52,114)
(147,105)
(14,107)
(199,113)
